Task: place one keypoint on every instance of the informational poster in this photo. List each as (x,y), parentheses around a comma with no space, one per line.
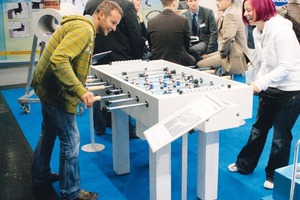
(2,41)
(182,121)
(16,35)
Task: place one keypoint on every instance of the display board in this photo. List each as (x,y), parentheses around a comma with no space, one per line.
(16,32)
(182,121)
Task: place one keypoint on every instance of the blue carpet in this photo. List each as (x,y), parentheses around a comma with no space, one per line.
(96,168)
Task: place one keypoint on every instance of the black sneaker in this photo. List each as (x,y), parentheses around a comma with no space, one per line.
(86,195)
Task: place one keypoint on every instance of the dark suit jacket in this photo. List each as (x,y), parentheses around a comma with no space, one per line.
(207,28)
(169,38)
(126,42)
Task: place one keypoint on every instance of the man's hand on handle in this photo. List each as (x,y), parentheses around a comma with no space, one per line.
(88,99)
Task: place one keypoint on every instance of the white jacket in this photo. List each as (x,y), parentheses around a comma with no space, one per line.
(279,54)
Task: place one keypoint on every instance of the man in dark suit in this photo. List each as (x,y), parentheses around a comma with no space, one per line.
(203,27)
(169,36)
(125,44)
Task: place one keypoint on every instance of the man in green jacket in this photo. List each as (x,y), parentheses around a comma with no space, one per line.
(59,80)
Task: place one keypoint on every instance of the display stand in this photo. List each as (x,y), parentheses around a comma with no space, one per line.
(161,135)
(92,147)
(295,169)
(27,97)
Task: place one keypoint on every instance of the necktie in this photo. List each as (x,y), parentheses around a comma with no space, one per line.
(194,25)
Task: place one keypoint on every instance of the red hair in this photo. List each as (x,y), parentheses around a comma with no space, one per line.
(263,9)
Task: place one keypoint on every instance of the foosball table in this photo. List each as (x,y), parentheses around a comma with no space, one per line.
(151,91)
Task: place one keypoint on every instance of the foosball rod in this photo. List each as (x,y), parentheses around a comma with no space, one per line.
(146,71)
(108,102)
(109,109)
(115,96)
(96,83)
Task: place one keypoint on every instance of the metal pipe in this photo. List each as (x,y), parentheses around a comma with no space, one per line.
(294,170)
(107,102)
(115,91)
(115,96)
(109,109)
(97,83)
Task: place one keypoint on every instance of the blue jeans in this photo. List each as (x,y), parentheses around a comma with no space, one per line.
(57,122)
(282,118)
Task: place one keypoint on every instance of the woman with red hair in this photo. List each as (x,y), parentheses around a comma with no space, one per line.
(277,84)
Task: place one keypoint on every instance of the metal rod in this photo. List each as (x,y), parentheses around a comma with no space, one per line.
(92,133)
(153,71)
(109,109)
(97,83)
(31,68)
(294,170)
(114,96)
(107,102)
(115,91)
(184,172)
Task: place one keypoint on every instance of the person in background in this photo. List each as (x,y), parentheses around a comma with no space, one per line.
(169,40)
(291,11)
(254,67)
(278,86)
(58,81)
(137,6)
(126,43)
(203,25)
(233,54)
(250,39)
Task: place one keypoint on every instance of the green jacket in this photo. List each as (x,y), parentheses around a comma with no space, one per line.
(60,74)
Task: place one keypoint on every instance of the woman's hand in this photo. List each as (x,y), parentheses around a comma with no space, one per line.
(256,90)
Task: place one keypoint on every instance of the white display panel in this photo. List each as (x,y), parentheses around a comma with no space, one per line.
(182,121)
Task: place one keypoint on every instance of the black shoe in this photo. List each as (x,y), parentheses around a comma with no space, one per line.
(133,136)
(99,132)
(86,195)
(132,132)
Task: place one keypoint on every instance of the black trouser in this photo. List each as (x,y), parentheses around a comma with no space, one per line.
(282,118)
